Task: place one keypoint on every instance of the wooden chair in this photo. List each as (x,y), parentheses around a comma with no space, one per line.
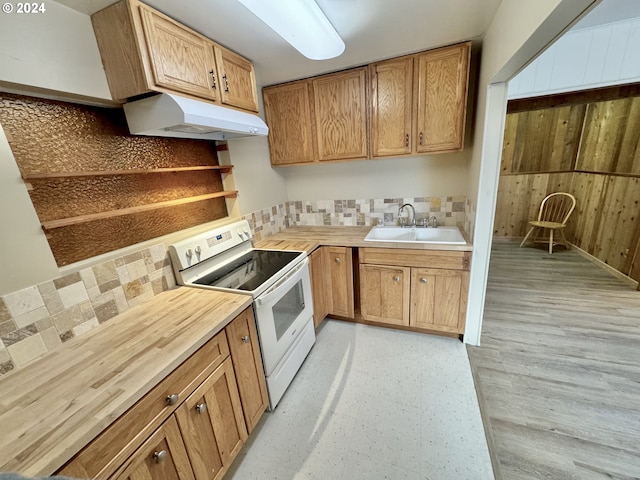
(554,212)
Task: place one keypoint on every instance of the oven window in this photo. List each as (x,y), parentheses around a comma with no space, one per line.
(287,309)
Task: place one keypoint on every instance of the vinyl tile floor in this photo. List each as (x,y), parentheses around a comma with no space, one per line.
(373,403)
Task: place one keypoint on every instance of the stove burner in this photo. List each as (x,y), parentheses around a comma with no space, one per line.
(249,271)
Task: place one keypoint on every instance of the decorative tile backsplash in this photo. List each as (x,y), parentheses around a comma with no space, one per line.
(450,211)
(37,319)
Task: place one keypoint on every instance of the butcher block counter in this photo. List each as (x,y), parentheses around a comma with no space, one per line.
(308,238)
(52,408)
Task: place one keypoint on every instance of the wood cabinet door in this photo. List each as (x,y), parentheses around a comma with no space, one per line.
(438,299)
(340,269)
(161,457)
(181,60)
(237,80)
(391,107)
(384,294)
(287,111)
(319,285)
(441,85)
(212,424)
(247,364)
(340,102)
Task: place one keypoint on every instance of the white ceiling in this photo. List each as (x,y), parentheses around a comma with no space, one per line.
(371,29)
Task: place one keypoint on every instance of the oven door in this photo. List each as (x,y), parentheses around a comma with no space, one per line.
(281,313)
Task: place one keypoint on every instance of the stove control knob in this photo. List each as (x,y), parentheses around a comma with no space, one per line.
(198,250)
(189,253)
(246,232)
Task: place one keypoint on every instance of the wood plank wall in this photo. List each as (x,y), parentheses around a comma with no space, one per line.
(588,145)
(48,136)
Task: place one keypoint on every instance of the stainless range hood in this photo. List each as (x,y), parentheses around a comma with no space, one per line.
(169,115)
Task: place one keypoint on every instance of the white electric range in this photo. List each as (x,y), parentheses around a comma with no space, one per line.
(278,281)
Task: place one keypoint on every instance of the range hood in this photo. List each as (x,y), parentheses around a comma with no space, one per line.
(168,115)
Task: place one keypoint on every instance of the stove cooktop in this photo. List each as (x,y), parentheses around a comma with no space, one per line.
(250,271)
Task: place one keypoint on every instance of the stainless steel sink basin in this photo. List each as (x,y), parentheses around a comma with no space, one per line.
(447,235)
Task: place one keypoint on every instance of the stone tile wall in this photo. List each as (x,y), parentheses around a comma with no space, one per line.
(39,318)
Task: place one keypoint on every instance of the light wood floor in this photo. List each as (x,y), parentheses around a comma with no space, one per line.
(558,371)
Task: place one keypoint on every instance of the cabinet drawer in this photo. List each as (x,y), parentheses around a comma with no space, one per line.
(115,444)
(448,259)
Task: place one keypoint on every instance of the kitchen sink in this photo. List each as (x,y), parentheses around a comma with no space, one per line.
(448,235)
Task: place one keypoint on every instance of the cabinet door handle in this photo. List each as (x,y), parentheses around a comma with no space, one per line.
(226,82)
(159,457)
(406,140)
(213,79)
(421,138)
(246,339)
(201,407)
(337,260)
(172,399)
(396,279)
(423,280)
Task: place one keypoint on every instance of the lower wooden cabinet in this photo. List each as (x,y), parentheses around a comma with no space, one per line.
(398,287)
(212,424)
(319,284)
(340,272)
(163,456)
(247,363)
(193,423)
(385,294)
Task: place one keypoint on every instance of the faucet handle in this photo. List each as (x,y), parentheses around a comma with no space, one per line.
(425,222)
(434,221)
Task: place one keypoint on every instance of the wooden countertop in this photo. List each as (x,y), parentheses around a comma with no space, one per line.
(308,238)
(53,407)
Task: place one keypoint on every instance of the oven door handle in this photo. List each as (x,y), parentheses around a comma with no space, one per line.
(284,283)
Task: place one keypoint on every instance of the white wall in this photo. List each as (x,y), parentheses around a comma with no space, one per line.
(25,256)
(260,186)
(520,30)
(592,57)
(55,50)
(436,175)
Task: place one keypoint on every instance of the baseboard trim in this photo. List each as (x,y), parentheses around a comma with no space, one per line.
(604,266)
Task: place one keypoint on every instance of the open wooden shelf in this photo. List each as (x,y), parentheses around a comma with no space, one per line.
(106,173)
(65,222)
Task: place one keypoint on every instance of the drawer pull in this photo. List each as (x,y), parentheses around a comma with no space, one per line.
(160,456)
(246,339)
(172,399)
(423,280)
(396,279)
(201,407)
(337,259)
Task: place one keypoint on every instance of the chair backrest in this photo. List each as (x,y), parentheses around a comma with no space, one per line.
(557,207)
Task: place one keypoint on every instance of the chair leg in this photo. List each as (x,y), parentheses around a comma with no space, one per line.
(527,235)
(550,241)
(564,239)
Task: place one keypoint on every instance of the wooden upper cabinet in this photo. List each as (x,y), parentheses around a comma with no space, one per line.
(287,109)
(340,103)
(180,59)
(391,107)
(237,79)
(143,51)
(441,79)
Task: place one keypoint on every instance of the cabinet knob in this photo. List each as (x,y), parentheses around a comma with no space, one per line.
(421,138)
(406,140)
(337,260)
(160,456)
(396,279)
(201,407)
(226,82)
(246,339)
(172,399)
(423,280)
(213,79)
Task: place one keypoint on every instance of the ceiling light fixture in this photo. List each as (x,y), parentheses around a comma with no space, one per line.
(302,24)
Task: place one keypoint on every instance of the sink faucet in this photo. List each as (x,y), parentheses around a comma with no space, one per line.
(413,214)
